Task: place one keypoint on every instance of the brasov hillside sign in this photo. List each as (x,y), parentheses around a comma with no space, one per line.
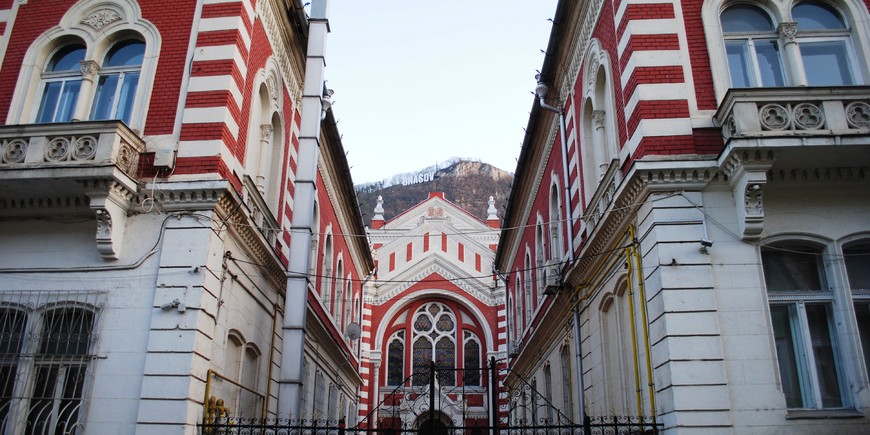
(418,177)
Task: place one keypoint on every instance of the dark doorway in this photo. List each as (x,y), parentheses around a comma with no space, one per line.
(433,426)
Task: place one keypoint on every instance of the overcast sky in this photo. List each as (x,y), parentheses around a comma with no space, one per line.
(420,81)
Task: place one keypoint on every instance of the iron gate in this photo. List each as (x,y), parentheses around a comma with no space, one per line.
(430,402)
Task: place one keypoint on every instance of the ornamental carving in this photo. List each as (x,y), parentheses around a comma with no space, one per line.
(127,159)
(84,148)
(273,88)
(808,116)
(787,30)
(598,119)
(62,149)
(57,149)
(773,117)
(858,114)
(90,68)
(13,151)
(266,131)
(754,201)
(101,18)
(104,224)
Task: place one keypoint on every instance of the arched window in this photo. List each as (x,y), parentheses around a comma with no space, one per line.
(555,227)
(334,305)
(825,46)
(471,357)
(61,82)
(811,46)
(396,359)
(857,260)
(434,328)
(518,298)
(565,362)
(540,260)
(326,274)
(118,82)
(58,371)
(802,316)
(527,288)
(348,293)
(752,47)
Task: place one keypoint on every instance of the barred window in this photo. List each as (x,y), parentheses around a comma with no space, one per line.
(44,358)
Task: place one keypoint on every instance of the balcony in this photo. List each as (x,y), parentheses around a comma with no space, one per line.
(807,115)
(69,169)
(794,134)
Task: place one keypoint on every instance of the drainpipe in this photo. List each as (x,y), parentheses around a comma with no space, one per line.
(298,281)
(541,92)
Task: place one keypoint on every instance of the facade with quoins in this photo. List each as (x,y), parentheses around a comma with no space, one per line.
(687,234)
(180,236)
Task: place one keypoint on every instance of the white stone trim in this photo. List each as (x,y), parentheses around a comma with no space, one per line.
(216,83)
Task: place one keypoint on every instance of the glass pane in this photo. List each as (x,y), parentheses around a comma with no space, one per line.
(862,312)
(66,332)
(48,105)
(743,18)
(471,354)
(738,64)
(792,268)
(105,97)
(445,359)
(858,266)
(127,53)
(12,329)
(395,358)
(68,58)
(422,324)
(7,386)
(817,16)
(769,65)
(68,97)
(823,350)
(780,316)
(40,415)
(826,63)
(128,95)
(422,360)
(445,323)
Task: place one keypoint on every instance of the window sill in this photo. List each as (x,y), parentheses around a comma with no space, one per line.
(816,414)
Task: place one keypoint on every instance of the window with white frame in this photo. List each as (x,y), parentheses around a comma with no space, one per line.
(565,366)
(61,83)
(471,357)
(857,260)
(118,82)
(802,316)
(396,359)
(812,45)
(44,358)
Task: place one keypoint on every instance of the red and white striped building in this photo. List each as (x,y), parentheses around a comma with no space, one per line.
(686,232)
(181,240)
(433,298)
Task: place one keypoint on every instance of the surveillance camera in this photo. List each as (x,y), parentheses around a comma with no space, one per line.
(706,243)
(170,305)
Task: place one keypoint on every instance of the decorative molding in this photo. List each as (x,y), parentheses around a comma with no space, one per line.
(598,119)
(101,18)
(90,68)
(747,175)
(266,131)
(282,51)
(787,30)
(13,150)
(110,202)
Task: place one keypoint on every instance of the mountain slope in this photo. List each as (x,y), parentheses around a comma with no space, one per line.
(468,184)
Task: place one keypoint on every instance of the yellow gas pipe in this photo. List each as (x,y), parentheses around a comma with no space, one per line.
(642,291)
(634,353)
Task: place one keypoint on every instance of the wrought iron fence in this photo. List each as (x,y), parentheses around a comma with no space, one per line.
(437,406)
